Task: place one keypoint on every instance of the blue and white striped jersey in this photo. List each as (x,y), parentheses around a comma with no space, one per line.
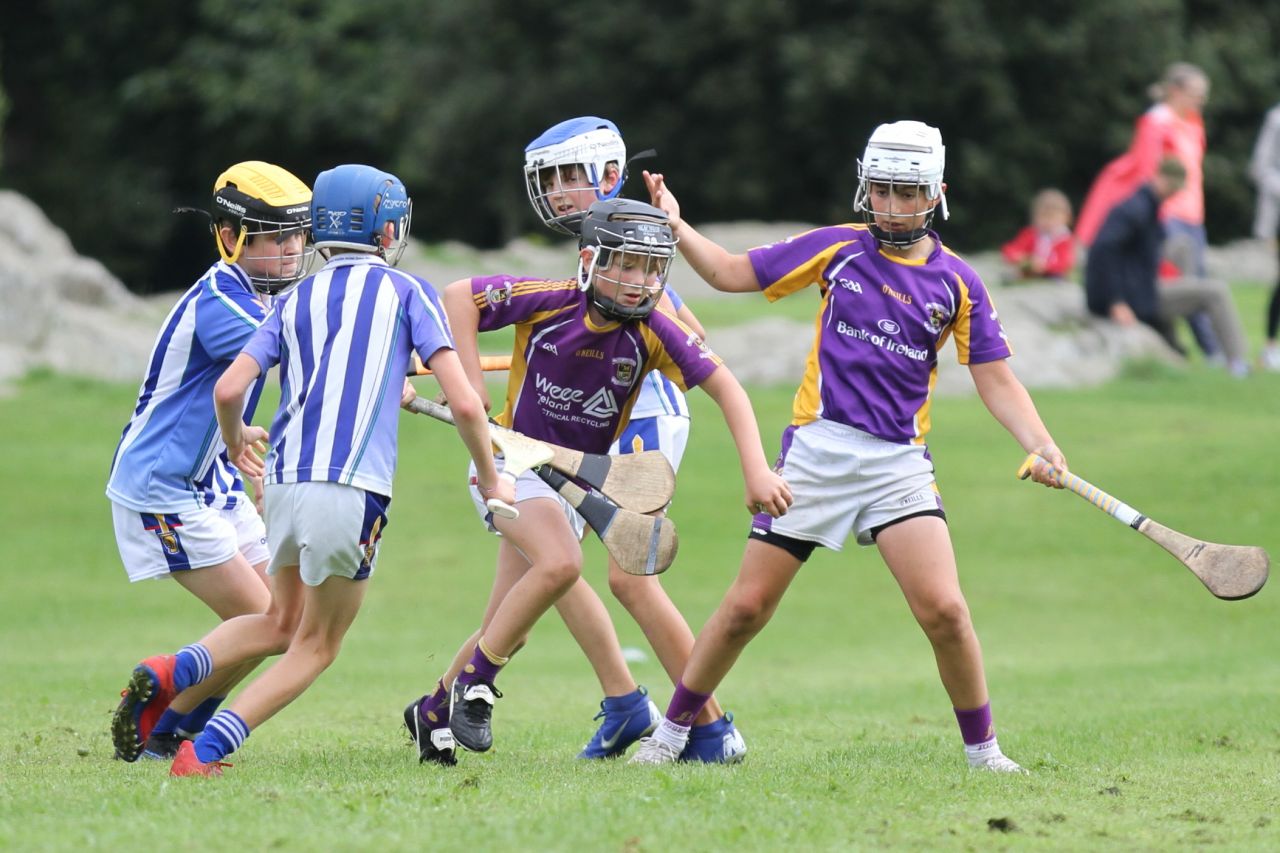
(171,457)
(343,338)
(658,394)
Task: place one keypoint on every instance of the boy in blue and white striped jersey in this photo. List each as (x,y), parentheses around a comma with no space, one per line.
(179,507)
(343,339)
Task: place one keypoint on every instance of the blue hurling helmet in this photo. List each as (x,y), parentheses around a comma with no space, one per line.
(350,205)
(589,143)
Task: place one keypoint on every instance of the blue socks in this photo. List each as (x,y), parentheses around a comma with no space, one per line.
(193,665)
(222,735)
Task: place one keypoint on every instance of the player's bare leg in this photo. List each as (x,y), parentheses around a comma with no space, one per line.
(231,588)
(763,577)
(918,552)
(664,626)
(543,536)
(324,614)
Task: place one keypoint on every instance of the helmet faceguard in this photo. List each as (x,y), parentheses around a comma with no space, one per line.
(902,154)
(573,156)
(253,199)
(628,248)
(351,207)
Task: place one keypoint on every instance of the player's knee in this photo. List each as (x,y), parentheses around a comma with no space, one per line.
(946,620)
(562,571)
(744,614)
(631,590)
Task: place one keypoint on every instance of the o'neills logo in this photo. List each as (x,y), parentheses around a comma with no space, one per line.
(231,205)
(292,210)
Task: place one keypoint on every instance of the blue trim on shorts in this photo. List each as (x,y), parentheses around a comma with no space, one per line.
(166,526)
(375,521)
(644,429)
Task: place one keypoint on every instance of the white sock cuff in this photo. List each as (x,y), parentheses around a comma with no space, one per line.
(672,734)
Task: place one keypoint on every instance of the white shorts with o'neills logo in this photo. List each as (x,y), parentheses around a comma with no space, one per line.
(156,544)
(845,480)
(325,529)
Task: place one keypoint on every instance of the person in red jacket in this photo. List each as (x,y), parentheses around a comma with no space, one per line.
(1046,247)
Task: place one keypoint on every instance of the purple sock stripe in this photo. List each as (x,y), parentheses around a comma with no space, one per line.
(685,705)
(975,725)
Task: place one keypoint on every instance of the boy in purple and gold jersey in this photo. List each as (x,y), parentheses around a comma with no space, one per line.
(582,349)
(568,167)
(854,454)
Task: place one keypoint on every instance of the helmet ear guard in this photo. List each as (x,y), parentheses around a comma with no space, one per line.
(254,198)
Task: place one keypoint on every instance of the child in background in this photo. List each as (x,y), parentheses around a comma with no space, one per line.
(1046,247)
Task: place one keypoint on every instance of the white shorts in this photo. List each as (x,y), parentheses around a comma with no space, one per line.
(325,529)
(843,480)
(528,485)
(154,545)
(668,433)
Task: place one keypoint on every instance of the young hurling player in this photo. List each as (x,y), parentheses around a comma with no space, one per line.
(179,507)
(854,454)
(567,168)
(343,339)
(582,349)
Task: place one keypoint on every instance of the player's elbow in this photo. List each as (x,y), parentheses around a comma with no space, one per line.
(226,391)
(468,408)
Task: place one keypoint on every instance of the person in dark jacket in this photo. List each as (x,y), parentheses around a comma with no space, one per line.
(1122,282)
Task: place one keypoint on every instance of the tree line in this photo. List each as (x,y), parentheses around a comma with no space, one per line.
(114,114)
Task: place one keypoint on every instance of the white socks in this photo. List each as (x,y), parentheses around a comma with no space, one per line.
(674,736)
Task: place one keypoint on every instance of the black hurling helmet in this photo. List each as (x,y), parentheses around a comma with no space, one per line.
(631,247)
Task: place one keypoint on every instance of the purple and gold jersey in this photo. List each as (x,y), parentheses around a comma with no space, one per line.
(874,359)
(573,382)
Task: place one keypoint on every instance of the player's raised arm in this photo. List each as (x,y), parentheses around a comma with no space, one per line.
(766,491)
(717,266)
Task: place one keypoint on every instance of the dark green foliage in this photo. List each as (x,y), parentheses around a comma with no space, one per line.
(758,107)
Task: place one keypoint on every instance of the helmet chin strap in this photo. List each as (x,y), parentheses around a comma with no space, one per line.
(898,239)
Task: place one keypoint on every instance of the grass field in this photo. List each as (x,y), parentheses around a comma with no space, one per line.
(1147,711)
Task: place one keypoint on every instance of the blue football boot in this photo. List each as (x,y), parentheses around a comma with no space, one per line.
(718,742)
(626,719)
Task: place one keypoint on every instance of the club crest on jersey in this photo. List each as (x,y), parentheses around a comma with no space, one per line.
(624,372)
(938,317)
(495,296)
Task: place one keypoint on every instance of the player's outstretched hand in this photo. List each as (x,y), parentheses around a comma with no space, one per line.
(768,492)
(246,453)
(661,197)
(1048,474)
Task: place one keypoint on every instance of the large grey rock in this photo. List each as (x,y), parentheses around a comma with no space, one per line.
(61,311)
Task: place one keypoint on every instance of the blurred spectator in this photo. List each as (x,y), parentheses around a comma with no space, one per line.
(1122,271)
(1264,167)
(1046,247)
(1172,127)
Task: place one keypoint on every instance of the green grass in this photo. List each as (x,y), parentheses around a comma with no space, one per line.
(1146,709)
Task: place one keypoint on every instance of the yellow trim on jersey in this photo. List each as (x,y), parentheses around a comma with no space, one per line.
(806,406)
(809,272)
(960,324)
(923,418)
(525,288)
(665,363)
(520,362)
